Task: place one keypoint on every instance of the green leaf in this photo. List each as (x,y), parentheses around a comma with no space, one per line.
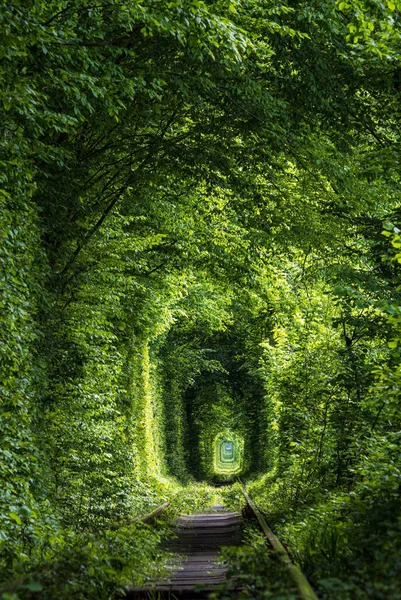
(15,517)
(34,586)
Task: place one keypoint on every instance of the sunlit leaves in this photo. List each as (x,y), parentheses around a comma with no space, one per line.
(373,27)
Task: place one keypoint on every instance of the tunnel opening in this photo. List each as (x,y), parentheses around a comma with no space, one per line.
(226,451)
(227,455)
(215,423)
(211,386)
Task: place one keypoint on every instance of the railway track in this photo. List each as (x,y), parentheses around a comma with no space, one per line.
(198,541)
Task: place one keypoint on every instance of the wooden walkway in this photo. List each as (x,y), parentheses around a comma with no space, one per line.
(199,540)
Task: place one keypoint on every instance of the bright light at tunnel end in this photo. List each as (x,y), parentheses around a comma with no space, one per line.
(228,450)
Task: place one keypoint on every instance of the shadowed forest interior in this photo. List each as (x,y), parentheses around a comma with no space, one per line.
(200,282)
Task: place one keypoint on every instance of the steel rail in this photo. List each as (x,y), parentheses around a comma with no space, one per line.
(152,515)
(305,589)
(143,518)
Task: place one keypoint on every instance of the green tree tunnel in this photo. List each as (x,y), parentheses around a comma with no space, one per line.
(199,281)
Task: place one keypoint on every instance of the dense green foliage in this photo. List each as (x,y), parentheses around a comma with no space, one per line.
(198,240)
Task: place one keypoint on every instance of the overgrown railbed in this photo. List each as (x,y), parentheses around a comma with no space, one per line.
(100,562)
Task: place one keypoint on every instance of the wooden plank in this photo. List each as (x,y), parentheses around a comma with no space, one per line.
(206,530)
(212,515)
(304,587)
(196,576)
(192,524)
(187,587)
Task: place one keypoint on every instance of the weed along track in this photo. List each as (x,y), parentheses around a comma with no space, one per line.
(305,590)
(198,568)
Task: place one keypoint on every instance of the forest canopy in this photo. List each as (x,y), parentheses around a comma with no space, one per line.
(199,246)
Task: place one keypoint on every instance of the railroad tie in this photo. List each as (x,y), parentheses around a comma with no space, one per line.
(200,537)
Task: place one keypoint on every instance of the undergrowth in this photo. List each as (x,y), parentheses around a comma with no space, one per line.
(255,570)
